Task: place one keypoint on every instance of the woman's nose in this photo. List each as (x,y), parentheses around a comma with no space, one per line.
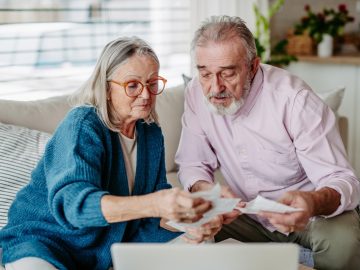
(145,93)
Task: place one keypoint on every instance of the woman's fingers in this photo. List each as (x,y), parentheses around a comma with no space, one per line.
(191,209)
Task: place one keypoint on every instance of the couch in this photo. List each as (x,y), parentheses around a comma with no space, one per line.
(25,127)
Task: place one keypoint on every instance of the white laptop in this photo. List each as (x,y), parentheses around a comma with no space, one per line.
(249,256)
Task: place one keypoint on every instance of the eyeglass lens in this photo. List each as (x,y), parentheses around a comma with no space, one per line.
(134,88)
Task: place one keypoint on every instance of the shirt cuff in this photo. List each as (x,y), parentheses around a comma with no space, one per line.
(188,177)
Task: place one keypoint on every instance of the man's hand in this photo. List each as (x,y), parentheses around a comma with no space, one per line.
(321,202)
(205,232)
(226,192)
(297,221)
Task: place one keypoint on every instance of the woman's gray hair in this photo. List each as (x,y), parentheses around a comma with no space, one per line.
(95,91)
(222,28)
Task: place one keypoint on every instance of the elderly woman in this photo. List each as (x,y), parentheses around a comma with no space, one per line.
(102,177)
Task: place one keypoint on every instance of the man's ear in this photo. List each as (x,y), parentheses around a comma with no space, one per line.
(254,66)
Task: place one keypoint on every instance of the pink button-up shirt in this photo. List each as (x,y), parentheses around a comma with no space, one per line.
(283,138)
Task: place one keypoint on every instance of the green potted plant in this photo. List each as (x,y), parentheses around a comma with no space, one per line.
(325,25)
(274,56)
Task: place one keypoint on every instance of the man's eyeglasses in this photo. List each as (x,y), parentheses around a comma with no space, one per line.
(134,88)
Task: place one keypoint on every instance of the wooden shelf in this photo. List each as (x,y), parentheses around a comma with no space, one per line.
(336,59)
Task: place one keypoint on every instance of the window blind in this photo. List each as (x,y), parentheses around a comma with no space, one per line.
(59,34)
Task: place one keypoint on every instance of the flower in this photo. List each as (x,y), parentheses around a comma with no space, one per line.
(329,21)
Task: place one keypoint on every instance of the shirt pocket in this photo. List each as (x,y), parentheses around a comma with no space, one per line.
(281,168)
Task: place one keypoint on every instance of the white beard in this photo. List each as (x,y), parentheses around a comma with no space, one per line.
(234,106)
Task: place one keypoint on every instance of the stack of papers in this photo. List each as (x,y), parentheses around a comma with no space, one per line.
(219,206)
(262,204)
(226,205)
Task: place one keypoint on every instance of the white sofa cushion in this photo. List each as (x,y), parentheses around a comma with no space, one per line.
(333,98)
(170,107)
(43,115)
(20,150)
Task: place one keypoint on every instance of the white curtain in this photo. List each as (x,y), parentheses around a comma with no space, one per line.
(202,9)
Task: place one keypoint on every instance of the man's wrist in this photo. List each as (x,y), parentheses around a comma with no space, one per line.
(325,201)
(201,185)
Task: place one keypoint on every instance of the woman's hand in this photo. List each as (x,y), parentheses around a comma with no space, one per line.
(178,205)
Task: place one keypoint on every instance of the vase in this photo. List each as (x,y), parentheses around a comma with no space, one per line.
(325,47)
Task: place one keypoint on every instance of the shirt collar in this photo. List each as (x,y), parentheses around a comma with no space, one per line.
(256,87)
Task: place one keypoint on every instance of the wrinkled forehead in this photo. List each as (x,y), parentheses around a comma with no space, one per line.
(219,54)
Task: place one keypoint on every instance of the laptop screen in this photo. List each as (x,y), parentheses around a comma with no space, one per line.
(249,256)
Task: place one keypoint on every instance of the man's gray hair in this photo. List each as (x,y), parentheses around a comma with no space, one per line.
(95,91)
(222,28)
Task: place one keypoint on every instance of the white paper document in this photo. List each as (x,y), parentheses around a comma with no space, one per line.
(226,205)
(219,206)
(262,204)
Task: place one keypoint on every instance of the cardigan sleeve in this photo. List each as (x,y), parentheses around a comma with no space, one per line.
(73,167)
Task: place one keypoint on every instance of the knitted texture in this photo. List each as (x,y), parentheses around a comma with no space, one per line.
(57,216)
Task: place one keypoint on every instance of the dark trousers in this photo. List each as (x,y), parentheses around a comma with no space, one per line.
(335,241)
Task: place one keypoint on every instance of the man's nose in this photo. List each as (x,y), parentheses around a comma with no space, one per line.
(217,84)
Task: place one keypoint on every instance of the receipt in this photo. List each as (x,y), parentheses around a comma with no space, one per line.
(219,206)
(262,204)
(226,205)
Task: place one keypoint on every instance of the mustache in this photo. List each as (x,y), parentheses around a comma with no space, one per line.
(219,95)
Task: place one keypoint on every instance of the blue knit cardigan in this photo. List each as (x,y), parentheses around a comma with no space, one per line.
(57,216)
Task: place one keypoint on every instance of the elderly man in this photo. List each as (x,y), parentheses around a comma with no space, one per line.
(270,135)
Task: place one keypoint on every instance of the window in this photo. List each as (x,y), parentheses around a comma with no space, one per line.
(50,47)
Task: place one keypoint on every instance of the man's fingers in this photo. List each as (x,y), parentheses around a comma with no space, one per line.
(203,207)
(287,198)
(230,217)
(241,204)
(186,238)
(286,218)
(190,218)
(284,228)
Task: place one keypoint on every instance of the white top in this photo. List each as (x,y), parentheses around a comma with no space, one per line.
(129,147)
